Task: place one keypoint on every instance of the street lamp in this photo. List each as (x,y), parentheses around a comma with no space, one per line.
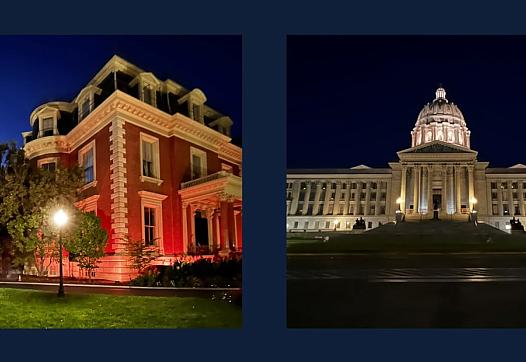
(399,201)
(474,202)
(60,219)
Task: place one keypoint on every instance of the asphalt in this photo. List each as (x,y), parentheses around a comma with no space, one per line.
(407,290)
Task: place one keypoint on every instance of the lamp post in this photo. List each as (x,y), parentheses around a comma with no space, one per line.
(60,219)
(473,214)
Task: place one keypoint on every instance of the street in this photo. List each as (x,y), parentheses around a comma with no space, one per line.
(419,290)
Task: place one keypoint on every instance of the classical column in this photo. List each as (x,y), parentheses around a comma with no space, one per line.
(367,198)
(306,199)
(499,197)
(521,198)
(328,193)
(422,195)
(346,200)
(403,188)
(416,181)
(190,218)
(231,226)
(444,191)
(210,227)
(429,189)
(471,191)
(458,208)
(215,231)
(316,206)
(296,186)
(337,195)
(224,225)
(357,198)
(451,188)
(388,198)
(489,198)
(510,198)
(185,228)
(378,194)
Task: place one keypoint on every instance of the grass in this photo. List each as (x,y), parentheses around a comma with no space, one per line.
(377,243)
(37,309)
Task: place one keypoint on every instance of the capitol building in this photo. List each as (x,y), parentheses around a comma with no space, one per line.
(439,176)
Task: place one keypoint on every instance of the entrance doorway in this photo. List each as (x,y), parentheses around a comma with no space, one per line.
(437,203)
(201,234)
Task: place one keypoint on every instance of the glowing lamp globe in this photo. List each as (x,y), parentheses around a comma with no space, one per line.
(60,218)
(399,200)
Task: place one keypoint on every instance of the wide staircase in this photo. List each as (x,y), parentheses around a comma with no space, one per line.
(436,227)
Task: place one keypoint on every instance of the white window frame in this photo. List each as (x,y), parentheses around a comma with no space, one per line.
(153,88)
(154,201)
(204,167)
(48,114)
(87,93)
(156,159)
(89,204)
(47,160)
(81,153)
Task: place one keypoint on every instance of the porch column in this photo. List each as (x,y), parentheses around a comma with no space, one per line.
(416,181)
(511,207)
(216,238)
(402,188)
(239,229)
(423,189)
(367,198)
(471,193)
(190,216)
(231,226)
(224,226)
(499,197)
(316,206)
(457,192)
(444,190)
(185,228)
(378,194)
(347,196)
(429,190)
(210,226)
(306,199)
(521,197)
(357,198)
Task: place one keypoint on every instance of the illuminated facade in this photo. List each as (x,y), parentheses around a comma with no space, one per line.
(158,162)
(438,176)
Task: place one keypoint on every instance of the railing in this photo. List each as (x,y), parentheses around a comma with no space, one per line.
(199,250)
(202,180)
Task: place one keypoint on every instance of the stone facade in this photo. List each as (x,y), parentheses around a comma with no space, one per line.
(439,175)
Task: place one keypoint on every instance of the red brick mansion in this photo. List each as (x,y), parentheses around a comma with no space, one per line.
(158,163)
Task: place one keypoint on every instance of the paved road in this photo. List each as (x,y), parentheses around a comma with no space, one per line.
(407,291)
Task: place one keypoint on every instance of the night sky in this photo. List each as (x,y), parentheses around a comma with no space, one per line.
(39,69)
(355,99)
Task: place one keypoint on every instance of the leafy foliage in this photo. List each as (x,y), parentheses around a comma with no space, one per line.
(88,241)
(141,255)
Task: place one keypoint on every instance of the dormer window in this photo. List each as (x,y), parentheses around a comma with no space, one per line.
(148,95)
(195,100)
(86,100)
(148,86)
(47,122)
(48,127)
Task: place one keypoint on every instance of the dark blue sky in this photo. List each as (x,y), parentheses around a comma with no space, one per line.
(39,69)
(355,99)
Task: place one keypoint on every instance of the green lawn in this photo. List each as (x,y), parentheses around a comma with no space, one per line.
(36,309)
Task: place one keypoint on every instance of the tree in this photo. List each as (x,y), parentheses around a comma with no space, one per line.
(25,198)
(141,255)
(87,242)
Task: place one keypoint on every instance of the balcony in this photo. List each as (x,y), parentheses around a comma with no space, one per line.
(210,189)
(202,180)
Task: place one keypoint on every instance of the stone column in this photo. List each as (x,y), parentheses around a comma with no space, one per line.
(510,199)
(210,226)
(378,194)
(457,190)
(337,196)
(451,188)
(316,206)
(306,199)
(403,188)
(357,198)
(521,198)
(346,200)
(367,198)
(224,226)
(444,191)
(429,190)
(471,191)
(489,199)
(388,198)
(215,232)
(296,185)
(231,226)
(423,188)
(185,228)
(416,187)
(499,197)
(190,218)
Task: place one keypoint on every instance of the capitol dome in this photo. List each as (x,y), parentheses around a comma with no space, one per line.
(440,120)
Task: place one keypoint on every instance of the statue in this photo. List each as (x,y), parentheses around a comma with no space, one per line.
(359,224)
(516,225)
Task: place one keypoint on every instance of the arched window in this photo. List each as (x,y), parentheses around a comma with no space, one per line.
(429,136)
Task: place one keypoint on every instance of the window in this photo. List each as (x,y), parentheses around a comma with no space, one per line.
(517,210)
(295,224)
(50,166)
(196,109)
(306,225)
(495,209)
(150,159)
(198,164)
(85,108)
(493,185)
(494,196)
(88,166)
(506,209)
(327,224)
(87,162)
(149,226)
(47,127)
(369,224)
(148,95)
(316,225)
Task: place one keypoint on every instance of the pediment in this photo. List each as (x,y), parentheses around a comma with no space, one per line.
(437,147)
